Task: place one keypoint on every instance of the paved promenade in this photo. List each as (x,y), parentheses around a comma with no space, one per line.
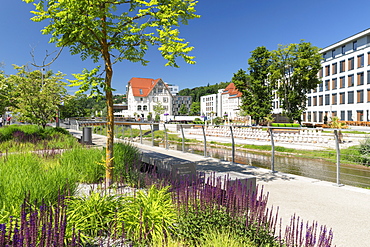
(345,209)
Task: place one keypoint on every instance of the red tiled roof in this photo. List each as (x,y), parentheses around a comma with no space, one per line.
(232,91)
(141,87)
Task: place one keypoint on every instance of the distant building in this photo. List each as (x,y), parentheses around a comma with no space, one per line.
(173,89)
(178,101)
(144,93)
(226,103)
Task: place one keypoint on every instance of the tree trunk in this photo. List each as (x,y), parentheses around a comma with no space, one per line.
(109,163)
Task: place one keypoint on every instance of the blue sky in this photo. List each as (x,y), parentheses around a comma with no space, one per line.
(223,37)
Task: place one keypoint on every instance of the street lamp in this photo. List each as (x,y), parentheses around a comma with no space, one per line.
(166,114)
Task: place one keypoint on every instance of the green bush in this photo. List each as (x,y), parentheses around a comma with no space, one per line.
(93,215)
(149,215)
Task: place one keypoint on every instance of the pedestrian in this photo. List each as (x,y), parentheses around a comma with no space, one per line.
(8,119)
(1,121)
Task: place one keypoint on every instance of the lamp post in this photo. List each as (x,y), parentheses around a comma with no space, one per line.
(166,114)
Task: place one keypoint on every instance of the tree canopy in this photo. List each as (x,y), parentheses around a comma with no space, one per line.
(36,95)
(294,71)
(110,31)
(290,72)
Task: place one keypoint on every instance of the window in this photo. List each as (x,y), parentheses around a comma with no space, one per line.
(141,99)
(350,81)
(309,101)
(368,95)
(368,58)
(327,85)
(327,99)
(314,100)
(360,115)
(321,87)
(334,83)
(333,53)
(320,116)
(327,70)
(368,77)
(160,90)
(360,96)
(334,99)
(314,114)
(351,64)
(342,82)
(342,66)
(309,116)
(349,115)
(343,49)
(354,45)
(360,61)
(139,107)
(334,68)
(165,99)
(350,97)
(141,91)
(342,98)
(320,100)
(145,107)
(360,79)
(342,115)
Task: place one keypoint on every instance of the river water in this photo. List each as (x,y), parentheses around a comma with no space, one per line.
(313,168)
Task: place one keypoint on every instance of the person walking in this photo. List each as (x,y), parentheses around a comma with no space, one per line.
(8,120)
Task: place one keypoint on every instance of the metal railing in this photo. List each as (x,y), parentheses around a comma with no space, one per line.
(334,139)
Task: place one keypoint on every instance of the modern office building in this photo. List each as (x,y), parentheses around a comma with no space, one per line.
(345,87)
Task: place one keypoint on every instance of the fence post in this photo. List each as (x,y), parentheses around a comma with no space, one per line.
(152,128)
(123,132)
(336,135)
(183,138)
(141,135)
(130,133)
(205,141)
(272,149)
(165,133)
(232,145)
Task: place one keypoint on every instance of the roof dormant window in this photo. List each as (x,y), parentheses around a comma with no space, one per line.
(141,91)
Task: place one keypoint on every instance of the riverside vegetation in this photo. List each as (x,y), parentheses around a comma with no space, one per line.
(41,205)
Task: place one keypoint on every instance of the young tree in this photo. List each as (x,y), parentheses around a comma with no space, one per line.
(195,108)
(111,31)
(158,110)
(183,110)
(294,70)
(36,95)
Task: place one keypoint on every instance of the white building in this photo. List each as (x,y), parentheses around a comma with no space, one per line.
(345,87)
(145,93)
(210,105)
(226,102)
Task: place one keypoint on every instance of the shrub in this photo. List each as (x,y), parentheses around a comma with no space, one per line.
(92,216)
(149,216)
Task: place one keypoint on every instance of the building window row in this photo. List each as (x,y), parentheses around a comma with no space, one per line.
(325,99)
(349,80)
(342,65)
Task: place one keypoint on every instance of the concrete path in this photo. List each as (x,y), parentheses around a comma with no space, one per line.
(345,209)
